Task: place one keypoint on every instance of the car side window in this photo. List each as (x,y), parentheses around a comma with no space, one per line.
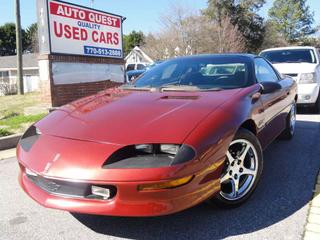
(264,72)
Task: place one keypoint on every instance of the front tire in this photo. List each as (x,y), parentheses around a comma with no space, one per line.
(242,171)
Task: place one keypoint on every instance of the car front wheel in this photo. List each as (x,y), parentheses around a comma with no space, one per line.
(242,170)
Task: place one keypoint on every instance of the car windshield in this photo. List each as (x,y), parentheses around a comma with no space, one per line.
(290,56)
(195,74)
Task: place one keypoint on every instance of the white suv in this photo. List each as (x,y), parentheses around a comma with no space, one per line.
(303,65)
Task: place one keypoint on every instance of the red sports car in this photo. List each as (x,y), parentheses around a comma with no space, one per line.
(189,130)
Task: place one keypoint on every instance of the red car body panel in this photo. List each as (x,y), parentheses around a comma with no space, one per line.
(135,117)
(77,140)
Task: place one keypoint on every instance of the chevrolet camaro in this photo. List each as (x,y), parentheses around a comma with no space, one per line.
(189,130)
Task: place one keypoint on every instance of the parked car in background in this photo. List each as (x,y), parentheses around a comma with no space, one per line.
(302,64)
(136,66)
(178,135)
(133,74)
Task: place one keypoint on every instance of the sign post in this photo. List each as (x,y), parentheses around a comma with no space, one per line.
(83,49)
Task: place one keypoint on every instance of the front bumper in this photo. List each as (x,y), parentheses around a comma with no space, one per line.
(128,201)
(307,93)
(69,160)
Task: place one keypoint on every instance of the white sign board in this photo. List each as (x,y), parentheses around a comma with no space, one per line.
(78,30)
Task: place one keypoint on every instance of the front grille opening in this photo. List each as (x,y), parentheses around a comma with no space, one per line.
(69,189)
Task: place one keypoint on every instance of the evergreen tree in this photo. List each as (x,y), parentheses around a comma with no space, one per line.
(292,19)
(8,39)
(133,39)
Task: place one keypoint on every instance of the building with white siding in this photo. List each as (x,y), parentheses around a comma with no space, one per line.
(8,74)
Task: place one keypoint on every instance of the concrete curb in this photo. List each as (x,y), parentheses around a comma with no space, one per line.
(312,228)
(9,141)
(10,153)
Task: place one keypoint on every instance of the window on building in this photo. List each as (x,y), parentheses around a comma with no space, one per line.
(4,75)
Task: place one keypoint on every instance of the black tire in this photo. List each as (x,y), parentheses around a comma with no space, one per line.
(243,134)
(317,105)
(289,131)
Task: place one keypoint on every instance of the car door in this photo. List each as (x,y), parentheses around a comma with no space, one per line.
(273,103)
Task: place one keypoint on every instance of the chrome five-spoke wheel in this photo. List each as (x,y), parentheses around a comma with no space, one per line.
(240,170)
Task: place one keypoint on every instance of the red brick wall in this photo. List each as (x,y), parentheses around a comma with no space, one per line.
(66,93)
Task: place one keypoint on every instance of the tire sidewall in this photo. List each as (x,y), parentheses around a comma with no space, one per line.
(249,136)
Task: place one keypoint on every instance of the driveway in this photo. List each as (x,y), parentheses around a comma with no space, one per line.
(277,210)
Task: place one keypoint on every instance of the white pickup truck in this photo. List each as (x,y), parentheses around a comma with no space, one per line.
(303,65)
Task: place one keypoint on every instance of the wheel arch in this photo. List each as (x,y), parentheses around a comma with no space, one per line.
(250,125)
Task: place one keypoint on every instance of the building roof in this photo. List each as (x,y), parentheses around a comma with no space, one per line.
(10,62)
(136,51)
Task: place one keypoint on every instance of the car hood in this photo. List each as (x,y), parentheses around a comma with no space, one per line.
(131,117)
(295,68)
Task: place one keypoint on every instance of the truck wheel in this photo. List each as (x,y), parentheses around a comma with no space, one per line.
(317,105)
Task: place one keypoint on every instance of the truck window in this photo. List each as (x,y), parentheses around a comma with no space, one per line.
(141,66)
(130,67)
(290,56)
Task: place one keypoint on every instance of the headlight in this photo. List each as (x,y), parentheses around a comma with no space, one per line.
(29,138)
(149,156)
(164,148)
(308,78)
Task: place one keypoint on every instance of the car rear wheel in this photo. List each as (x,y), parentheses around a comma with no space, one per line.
(242,170)
(288,132)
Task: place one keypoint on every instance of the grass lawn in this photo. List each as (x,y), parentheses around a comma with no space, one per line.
(13,117)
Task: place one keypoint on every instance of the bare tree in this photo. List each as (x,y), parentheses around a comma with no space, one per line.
(185,32)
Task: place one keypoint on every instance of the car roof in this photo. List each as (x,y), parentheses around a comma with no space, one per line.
(288,48)
(235,56)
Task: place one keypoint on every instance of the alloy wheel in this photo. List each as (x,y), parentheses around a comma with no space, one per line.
(240,170)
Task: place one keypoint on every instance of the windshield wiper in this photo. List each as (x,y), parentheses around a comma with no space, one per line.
(178,87)
(212,89)
(186,88)
(133,87)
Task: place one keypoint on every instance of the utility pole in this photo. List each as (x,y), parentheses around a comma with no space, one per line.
(19,49)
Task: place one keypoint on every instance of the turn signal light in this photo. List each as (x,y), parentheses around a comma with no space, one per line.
(165,185)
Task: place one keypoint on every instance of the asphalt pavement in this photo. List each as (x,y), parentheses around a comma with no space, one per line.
(277,210)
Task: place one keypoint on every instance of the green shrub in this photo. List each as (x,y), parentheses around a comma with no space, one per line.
(4,132)
(16,122)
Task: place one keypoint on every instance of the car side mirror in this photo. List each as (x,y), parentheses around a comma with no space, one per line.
(269,87)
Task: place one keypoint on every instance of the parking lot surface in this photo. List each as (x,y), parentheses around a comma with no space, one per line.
(277,210)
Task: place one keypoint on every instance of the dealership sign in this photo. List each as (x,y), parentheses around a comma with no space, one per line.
(78,30)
